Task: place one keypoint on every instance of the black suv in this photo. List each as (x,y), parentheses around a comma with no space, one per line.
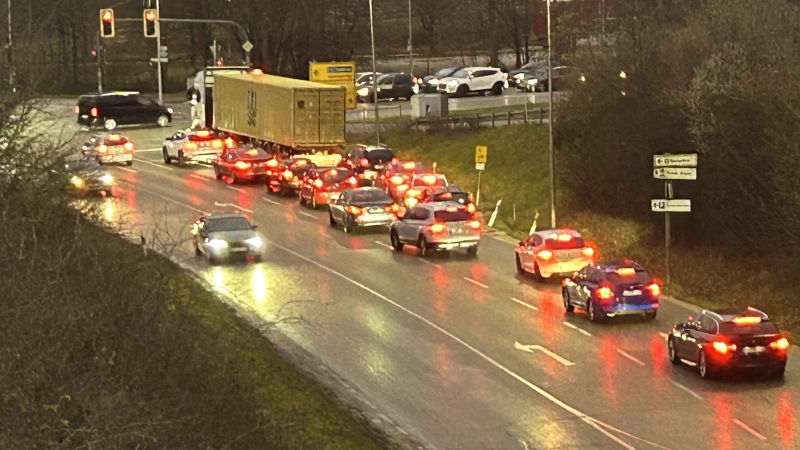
(121,108)
(393,86)
(368,161)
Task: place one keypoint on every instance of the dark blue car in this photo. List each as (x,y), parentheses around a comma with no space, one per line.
(612,289)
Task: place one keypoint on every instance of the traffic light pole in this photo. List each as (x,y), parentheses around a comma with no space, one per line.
(10,51)
(99,68)
(158,52)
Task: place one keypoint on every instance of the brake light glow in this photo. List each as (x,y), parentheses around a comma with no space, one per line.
(101,149)
(451,209)
(780,344)
(393,161)
(318,183)
(354,210)
(301,163)
(604,293)
(333,172)
(397,179)
(190,146)
(216,143)
(241,165)
(564,237)
(402,188)
(230,143)
(391,208)
(437,227)
(429,179)
(409,165)
(475,225)
(76,109)
(257,72)
(723,347)
(747,320)
(114,138)
(588,252)
(128,147)
(626,271)
(93,112)
(363,162)
(471,208)
(655,290)
(252,152)
(446,196)
(202,133)
(272,163)
(287,175)
(352,181)
(544,254)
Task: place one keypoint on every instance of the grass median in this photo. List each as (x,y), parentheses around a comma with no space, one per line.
(517,172)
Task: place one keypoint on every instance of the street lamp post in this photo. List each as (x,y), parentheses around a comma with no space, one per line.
(410,44)
(10,50)
(158,52)
(375,77)
(550,122)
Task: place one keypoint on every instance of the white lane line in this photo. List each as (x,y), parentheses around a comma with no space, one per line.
(270,201)
(476,283)
(385,245)
(589,420)
(630,357)
(308,215)
(531,348)
(233,205)
(170,200)
(148,150)
(428,262)
(199,177)
(748,429)
(126,169)
(577,328)
(524,304)
(686,389)
(235,189)
(160,166)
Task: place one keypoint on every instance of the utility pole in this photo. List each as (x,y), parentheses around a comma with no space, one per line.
(158,52)
(99,67)
(410,45)
(10,51)
(375,77)
(550,123)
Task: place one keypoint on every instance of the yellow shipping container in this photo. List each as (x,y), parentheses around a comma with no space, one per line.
(294,113)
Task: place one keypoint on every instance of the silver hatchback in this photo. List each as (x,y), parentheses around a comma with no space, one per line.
(437,227)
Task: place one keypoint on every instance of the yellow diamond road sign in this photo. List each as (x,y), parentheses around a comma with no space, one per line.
(480,154)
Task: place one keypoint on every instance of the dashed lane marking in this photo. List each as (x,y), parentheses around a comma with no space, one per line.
(580,330)
(270,201)
(235,189)
(160,166)
(199,177)
(627,355)
(308,215)
(126,169)
(524,304)
(145,150)
(686,389)
(476,283)
(748,429)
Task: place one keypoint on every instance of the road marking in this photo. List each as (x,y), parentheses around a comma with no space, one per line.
(235,189)
(199,177)
(592,422)
(629,435)
(630,357)
(232,205)
(748,429)
(126,169)
(385,245)
(428,262)
(170,200)
(476,283)
(524,304)
(689,363)
(686,389)
(577,328)
(271,201)
(308,215)
(531,348)
(160,166)
(148,150)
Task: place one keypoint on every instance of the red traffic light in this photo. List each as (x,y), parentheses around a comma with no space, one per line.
(94,52)
(107,23)
(150,15)
(107,15)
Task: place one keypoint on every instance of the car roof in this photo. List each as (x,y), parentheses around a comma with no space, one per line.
(224,216)
(440,206)
(452,188)
(111,94)
(728,314)
(437,175)
(611,266)
(546,233)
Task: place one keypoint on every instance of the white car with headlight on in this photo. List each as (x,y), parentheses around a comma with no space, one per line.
(474,80)
(225,236)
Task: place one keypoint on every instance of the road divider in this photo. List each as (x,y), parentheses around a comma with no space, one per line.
(531,348)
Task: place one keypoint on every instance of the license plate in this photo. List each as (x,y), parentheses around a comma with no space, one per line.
(374,210)
(379,166)
(631,293)
(239,249)
(753,350)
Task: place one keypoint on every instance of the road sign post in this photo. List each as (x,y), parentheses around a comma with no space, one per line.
(481,152)
(669,167)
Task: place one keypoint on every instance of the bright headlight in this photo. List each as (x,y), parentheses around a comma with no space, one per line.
(533,81)
(107,179)
(519,76)
(217,244)
(452,83)
(433,81)
(363,92)
(254,241)
(77,181)
(169,110)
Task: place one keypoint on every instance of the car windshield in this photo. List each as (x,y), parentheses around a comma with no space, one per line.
(460,215)
(228,224)
(85,165)
(251,153)
(372,195)
(379,156)
(444,72)
(463,73)
(334,176)
(616,279)
(383,78)
(573,243)
(759,329)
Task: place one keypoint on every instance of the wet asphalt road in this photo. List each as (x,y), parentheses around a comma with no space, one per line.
(438,345)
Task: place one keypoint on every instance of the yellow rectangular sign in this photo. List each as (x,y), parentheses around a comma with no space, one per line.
(336,74)
(481,151)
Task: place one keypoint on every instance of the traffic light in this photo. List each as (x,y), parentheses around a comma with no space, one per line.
(150,23)
(107,23)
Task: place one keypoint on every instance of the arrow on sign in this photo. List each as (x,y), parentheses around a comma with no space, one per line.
(316,72)
(686,160)
(531,348)
(675,173)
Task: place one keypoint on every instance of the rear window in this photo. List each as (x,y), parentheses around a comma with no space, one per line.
(379,156)
(575,242)
(251,153)
(461,215)
(407,168)
(461,197)
(228,224)
(115,139)
(373,195)
(420,181)
(762,328)
(335,176)
(202,135)
(641,277)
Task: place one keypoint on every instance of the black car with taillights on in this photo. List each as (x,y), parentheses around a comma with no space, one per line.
(241,164)
(612,289)
(323,186)
(368,162)
(728,340)
(285,175)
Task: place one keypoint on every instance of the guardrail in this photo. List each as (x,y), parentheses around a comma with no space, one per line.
(479,120)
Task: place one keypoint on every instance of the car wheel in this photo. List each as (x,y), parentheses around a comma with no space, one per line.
(536,274)
(520,270)
(565,296)
(422,245)
(181,158)
(129,163)
(346,225)
(333,221)
(258,258)
(109,124)
(167,159)
(314,201)
(395,238)
(462,91)
(705,367)
(302,199)
(162,121)
(671,353)
(594,316)
(650,316)
(779,373)
(497,89)
(197,251)
(472,251)
(217,175)
(211,260)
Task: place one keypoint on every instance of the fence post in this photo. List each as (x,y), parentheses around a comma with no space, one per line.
(493,120)
(508,114)
(541,115)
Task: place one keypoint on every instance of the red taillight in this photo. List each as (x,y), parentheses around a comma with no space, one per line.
(471,208)
(655,290)
(230,143)
(216,143)
(364,162)
(747,320)
(780,344)
(409,165)
(429,179)
(588,252)
(544,255)
(394,161)
(437,227)
(414,193)
(475,225)
(93,112)
(128,147)
(272,163)
(352,181)
(397,179)
(451,209)
(354,210)
(241,165)
(391,208)
(318,183)
(77,110)
(190,146)
(287,175)
(402,188)
(604,293)
(626,271)
(101,149)
(723,347)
